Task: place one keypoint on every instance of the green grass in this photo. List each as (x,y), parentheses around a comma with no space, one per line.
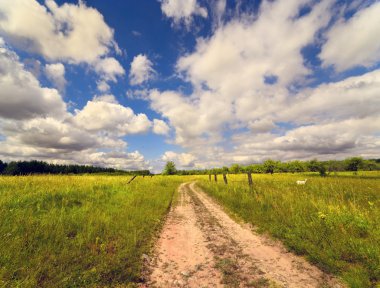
(334,221)
(78,231)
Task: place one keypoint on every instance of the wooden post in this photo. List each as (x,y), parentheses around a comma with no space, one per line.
(250,182)
(133,178)
(215,178)
(225,179)
(209,177)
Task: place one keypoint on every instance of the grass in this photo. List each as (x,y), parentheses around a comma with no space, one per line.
(91,231)
(79,231)
(334,221)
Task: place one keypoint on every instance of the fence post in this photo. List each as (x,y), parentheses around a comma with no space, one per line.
(133,178)
(250,182)
(209,177)
(215,178)
(225,179)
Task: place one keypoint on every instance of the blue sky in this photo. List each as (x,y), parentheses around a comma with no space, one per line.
(133,84)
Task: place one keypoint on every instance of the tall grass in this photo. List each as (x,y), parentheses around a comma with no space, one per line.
(334,221)
(78,231)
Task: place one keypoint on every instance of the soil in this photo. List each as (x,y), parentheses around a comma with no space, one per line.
(202,246)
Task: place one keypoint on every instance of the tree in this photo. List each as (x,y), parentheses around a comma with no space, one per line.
(235,169)
(12,169)
(352,164)
(270,166)
(322,169)
(2,166)
(296,166)
(169,168)
(313,165)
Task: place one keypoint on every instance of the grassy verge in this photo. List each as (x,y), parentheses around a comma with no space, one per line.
(78,231)
(334,221)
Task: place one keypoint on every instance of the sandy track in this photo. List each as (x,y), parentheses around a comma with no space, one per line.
(183,259)
(201,246)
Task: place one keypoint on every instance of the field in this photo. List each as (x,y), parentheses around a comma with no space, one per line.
(91,231)
(78,231)
(334,221)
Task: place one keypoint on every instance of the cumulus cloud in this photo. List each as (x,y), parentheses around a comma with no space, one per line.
(56,74)
(105,115)
(108,69)
(68,33)
(337,139)
(182,11)
(21,95)
(353,42)
(283,119)
(49,133)
(228,70)
(35,123)
(66,141)
(218,10)
(103,86)
(160,127)
(192,120)
(353,97)
(181,159)
(141,70)
(117,159)
(74,33)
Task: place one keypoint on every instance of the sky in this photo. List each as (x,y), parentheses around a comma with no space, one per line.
(203,83)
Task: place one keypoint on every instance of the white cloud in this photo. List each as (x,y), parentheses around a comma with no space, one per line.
(73,33)
(353,97)
(261,125)
(160,127)
(68,33)
(181,159)
(105,98)
(56,74)
(100,115)
(108,69)
(115,159)
(244,51)
(140,94)
(228,72)
(182,11)
(219,8)
(49,133)
(354,42)
(192,120)
(21,95)
(103,86)
(35,123)
(333,139)
(141,70)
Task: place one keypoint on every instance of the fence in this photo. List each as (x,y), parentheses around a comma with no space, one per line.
(249,177)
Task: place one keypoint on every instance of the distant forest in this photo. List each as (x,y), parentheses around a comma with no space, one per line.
(40,167)
(272,166)
(269,166)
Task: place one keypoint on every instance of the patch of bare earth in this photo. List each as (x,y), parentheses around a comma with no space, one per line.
(201,246)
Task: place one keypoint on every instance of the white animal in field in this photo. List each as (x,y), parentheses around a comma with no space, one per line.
(301,182)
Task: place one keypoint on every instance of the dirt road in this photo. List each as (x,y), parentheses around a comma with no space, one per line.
(201,246)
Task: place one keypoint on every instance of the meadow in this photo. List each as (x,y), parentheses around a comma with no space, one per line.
(92,230)
(79,231)
(334,221)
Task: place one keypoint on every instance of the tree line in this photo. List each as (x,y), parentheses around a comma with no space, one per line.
(41,167)
(272,166)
